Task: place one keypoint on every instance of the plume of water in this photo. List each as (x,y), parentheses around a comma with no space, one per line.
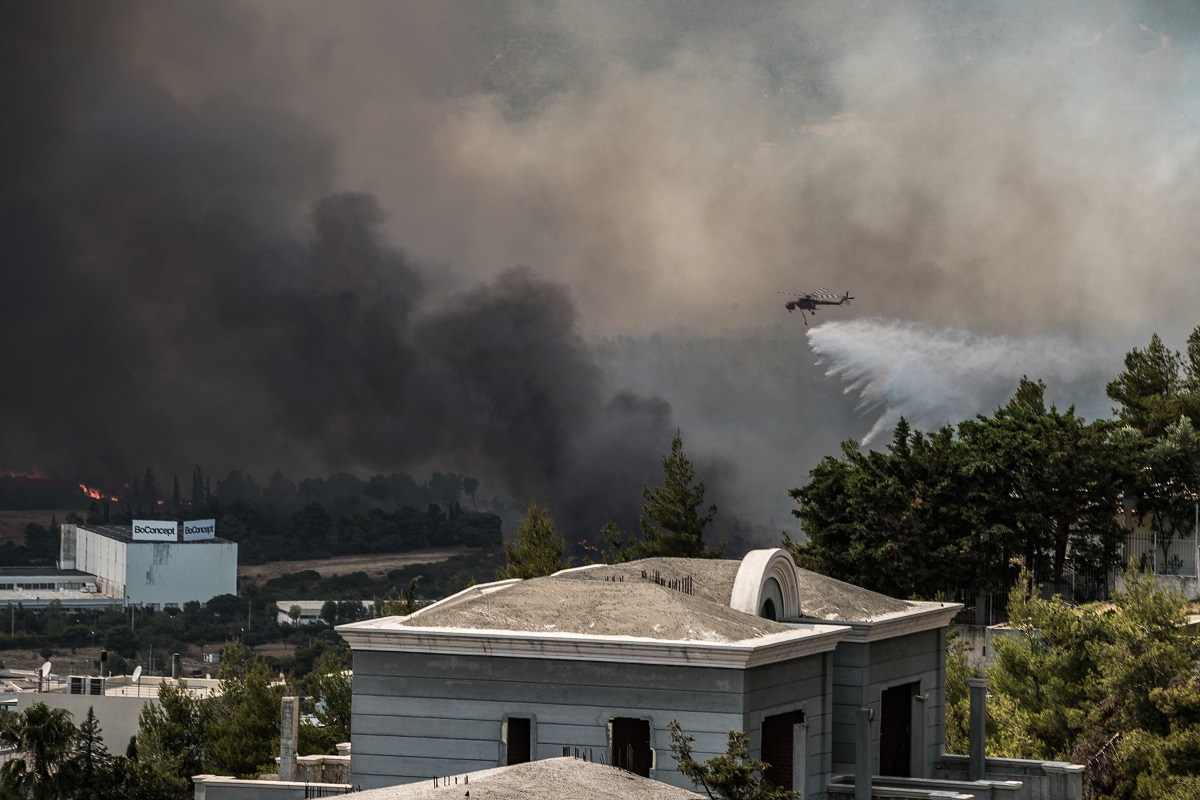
(935,376)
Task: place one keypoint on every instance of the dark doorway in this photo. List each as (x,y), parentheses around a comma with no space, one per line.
(895,730)
(520,745)
(631,745)
(778,745)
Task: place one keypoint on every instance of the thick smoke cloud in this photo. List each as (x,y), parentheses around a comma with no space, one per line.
(170,303)
(1030,168)
(289,230)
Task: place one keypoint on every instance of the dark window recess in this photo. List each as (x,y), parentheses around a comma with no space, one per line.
(777,747)
(895,730)
(631,745)
(520,745)
(768,610)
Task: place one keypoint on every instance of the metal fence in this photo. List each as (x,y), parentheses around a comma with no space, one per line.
(1162,556)
(1079,585)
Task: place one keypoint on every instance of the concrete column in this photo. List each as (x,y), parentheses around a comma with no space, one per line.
(176,665)
(289,737)
(919,761)
(800,759)
(977,764)
(862,753)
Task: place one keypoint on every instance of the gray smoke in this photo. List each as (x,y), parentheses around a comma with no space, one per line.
(169,302)
(286,233)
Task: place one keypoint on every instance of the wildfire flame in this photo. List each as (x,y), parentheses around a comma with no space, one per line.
(95,494)
(37,474)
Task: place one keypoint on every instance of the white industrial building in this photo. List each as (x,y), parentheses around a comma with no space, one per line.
(153,563)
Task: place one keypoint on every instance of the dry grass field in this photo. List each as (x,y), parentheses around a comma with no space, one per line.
(372,564)
(12,523)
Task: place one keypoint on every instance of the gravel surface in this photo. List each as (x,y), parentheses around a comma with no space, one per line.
(837,601)
(570,604)
(549,779)
(712,578)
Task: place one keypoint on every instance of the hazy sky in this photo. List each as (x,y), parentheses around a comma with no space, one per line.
(379,235)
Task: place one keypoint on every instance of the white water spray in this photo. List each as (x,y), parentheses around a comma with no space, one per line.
(935,376)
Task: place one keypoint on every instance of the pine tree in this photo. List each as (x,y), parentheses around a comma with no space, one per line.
(538,549)
(91,756)
(243,731)
(672,524)
(199,495)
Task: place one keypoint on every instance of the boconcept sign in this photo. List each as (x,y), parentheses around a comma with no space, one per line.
(155,530)
(199,529)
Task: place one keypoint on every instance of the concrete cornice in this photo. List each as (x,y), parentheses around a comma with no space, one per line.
(924,617)
(385,635)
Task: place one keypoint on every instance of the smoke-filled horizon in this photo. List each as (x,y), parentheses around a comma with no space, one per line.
(383,236)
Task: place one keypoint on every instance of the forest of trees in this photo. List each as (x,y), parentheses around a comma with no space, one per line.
(320,517)
(963,510)
(1012,500)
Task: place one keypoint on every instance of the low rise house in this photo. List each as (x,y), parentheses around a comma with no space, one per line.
(825,678)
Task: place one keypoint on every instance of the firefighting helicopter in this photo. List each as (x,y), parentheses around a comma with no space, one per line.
(808,301)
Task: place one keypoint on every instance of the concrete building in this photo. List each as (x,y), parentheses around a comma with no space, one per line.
(159,572)
(826,679)
(306,612)
(117,701)
(38,587)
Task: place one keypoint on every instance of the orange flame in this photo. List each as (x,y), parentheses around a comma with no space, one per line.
(95,494)
(24,473)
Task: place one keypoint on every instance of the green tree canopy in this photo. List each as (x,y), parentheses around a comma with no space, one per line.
(1165,487)
(1112,687)
(1042,484)
(1027,486)
(538,550)
(243,728)
(44,737)
(171,735)
(1158,386)
(331,684)
(672,522)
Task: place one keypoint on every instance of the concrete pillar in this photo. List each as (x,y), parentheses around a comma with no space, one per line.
(919,761)
(176,664)
(862,753)
(977,763)
(289,737)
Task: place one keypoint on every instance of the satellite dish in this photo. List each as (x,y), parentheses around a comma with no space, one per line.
(45,669)
(137,673)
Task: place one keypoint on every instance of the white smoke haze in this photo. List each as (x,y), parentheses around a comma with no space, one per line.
(938,376)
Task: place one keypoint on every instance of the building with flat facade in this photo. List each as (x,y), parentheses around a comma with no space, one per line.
(150,563)
(599,660)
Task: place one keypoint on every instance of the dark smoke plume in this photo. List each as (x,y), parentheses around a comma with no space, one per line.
(195,271)
(168,301)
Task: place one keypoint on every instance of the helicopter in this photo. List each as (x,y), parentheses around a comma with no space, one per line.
(808,301)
